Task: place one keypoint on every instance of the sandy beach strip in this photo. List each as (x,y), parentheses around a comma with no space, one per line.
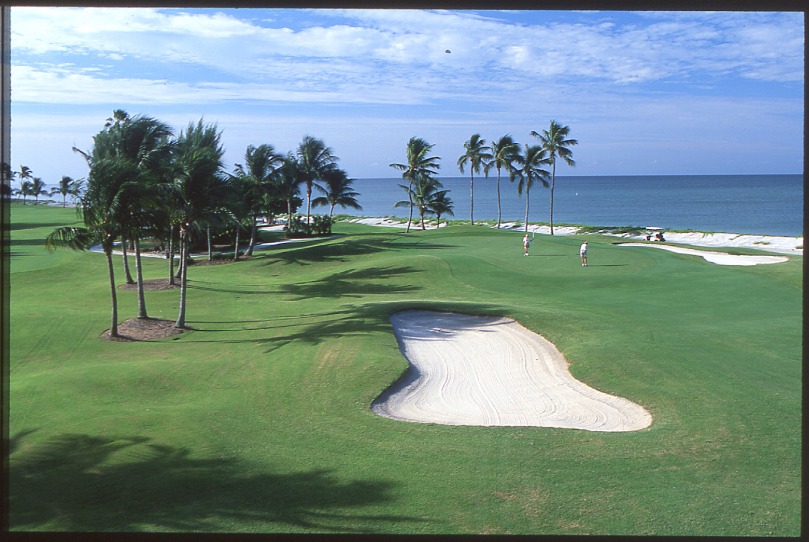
(491,371)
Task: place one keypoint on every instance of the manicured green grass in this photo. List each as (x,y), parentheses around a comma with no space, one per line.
(259,419)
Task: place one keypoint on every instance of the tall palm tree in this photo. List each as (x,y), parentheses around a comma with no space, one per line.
(199,189)
(338,191)
(101,211)
(530,170)
(286,184)
(260,164)
(477,155)
(418,165)
(143,145)
(555,141)
(503,152)
(314,160)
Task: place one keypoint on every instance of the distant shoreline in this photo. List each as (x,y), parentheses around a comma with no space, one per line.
(767,243)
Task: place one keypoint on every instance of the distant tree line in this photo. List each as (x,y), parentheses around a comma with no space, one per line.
(522,164)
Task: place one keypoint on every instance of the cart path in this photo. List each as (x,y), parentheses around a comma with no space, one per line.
(491,371)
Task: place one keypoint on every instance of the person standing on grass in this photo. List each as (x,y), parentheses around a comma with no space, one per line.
(526,244)
(583,254)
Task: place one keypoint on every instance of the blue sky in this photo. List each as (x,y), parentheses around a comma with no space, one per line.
(642,92)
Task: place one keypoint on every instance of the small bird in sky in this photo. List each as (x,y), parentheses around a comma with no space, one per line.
(447,51)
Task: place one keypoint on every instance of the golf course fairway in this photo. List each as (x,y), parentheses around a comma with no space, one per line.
(258,419)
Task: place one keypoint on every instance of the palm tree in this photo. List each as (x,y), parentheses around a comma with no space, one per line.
(286,185)
(503,152)
(423,193)
(260,165)
(530,170)
(477,155)
(239,187)
(198,191)
(441,204)
(338,191)
(554,141)
(314,160)
(418,165)
(38,189)
(65,187)
(25,174)
(101,210)
(142,145)
(26,189)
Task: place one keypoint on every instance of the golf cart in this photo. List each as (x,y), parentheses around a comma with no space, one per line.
(653,233)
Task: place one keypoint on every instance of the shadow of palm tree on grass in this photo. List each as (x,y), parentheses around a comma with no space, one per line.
(353,283)
(91,483)
(345,249)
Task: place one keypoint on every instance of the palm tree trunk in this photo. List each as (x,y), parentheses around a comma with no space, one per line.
(410,198)
(553,183)
(471,198)
(289,216)
(210,246)
(308,201)
(171,256)
(498,197)
(236,244)
(253,235)
(183,280)
(527,191)
(129,279)
(113,294)
(139,271)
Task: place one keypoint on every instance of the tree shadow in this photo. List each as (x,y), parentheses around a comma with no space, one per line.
(351,320)
(16,226)
(27,242)
(93,483)
(346,249)
(353,283)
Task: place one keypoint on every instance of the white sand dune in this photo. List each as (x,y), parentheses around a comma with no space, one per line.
(720,258)
(491,371)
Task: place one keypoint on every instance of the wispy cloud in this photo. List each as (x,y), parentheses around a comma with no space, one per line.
(446,72)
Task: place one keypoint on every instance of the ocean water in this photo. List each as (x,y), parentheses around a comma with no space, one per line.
(753,204)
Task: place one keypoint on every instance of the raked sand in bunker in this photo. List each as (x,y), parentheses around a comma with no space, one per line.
(491,371)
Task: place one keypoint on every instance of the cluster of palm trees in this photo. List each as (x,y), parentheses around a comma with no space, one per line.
(145,183)
(522,164)
(424,190)
(35,186)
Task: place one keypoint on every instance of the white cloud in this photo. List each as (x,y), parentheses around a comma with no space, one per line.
(601,74)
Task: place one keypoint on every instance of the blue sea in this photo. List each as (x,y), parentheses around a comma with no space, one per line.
(753,204)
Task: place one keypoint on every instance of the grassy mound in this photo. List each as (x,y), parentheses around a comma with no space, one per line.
(259,420)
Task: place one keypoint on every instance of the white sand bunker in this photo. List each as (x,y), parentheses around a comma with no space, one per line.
(474,370)
(720,258)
